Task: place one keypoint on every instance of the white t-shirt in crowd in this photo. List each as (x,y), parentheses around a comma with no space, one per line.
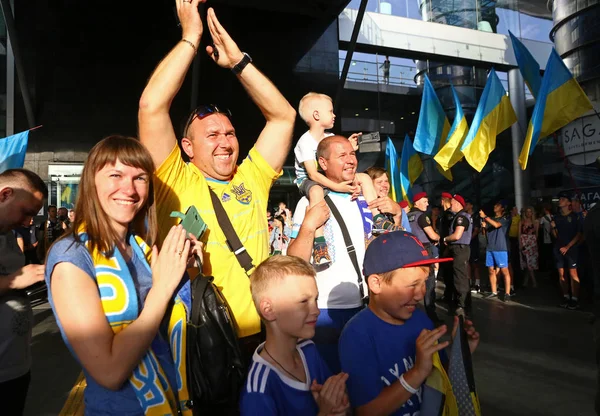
(305,150)
(545,222)
(338,284)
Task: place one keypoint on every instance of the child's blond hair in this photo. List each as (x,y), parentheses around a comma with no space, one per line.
(275,269)
(307,103)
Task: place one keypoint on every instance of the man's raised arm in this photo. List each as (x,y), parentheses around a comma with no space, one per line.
(275,140)
(155,126)
(302,245)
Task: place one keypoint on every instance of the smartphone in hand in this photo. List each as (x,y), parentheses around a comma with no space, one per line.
(191,221)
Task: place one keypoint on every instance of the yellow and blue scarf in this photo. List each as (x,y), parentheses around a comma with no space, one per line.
(121,307)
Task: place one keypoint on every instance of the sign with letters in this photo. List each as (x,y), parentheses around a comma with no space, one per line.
(588,196)
(581,140)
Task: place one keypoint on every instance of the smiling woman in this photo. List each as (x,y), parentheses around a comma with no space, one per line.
(116,178)
(109,299)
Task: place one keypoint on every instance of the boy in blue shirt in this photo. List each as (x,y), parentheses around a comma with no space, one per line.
(387,349)
(567,229)
(496,254)
(287,376)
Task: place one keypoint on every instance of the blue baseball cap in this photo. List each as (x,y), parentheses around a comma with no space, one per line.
(395,250)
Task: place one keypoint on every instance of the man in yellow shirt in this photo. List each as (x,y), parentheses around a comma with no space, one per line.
(210,142)
(514,253)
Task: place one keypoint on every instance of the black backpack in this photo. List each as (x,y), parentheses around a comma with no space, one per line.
(215,367)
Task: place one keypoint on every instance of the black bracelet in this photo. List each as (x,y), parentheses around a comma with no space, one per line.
(239,67)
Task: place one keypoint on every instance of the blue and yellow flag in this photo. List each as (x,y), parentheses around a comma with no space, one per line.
(561,101)
(494,115)
(392,166)
(12,151)
(450,153)
(433,125)
(410,168)
(528,66)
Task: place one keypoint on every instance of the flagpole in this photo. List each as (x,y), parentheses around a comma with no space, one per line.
(561,151)
(516,89)
(36,127)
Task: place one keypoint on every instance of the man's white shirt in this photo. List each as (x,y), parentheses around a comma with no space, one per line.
(338,284)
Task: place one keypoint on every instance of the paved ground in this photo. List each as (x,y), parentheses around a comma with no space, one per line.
(534,359)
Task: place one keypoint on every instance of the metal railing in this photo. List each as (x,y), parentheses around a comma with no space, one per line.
(373,73)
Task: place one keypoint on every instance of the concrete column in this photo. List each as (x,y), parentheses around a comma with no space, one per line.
(516,92)
(10,85)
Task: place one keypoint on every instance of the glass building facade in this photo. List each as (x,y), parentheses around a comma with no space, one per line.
(391,106)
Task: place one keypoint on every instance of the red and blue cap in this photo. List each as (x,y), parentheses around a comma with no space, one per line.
(396,250)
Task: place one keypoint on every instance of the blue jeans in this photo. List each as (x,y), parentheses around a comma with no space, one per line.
(329,328)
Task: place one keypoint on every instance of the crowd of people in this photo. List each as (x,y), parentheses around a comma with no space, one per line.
(327,315)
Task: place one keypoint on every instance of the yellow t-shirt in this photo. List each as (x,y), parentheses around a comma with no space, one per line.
(514,226)
(180,185)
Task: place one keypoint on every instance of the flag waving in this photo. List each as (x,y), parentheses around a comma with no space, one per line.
(392,166)
(494,115)
(561,100)
(433,125)
(450,153)
(12,151)
(410,168)
(528,66)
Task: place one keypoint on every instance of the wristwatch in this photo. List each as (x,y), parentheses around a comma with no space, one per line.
(239,67)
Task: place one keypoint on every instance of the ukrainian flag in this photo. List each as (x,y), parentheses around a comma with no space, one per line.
(561,101)
(450,153)
(528,66)
(12,151)
(410,168)
(433,125)
(494,115)
(392,167)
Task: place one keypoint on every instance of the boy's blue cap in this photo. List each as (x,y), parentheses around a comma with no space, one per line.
(395,250)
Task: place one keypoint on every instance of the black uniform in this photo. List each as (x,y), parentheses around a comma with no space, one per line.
(419,220)
(460,251)
(446,268)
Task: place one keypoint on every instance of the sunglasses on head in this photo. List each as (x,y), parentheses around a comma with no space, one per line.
(204,111)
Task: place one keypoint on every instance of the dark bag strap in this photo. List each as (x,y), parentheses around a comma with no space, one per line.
(233,241)
(348,241)
(198,286)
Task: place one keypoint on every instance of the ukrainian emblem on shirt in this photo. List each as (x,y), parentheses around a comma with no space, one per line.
(569,219)
(242,194)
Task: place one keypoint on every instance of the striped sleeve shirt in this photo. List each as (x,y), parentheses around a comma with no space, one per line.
(270,391)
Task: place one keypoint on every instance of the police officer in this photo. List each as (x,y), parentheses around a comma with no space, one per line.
(422,228)
(459,242)
(446,268)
